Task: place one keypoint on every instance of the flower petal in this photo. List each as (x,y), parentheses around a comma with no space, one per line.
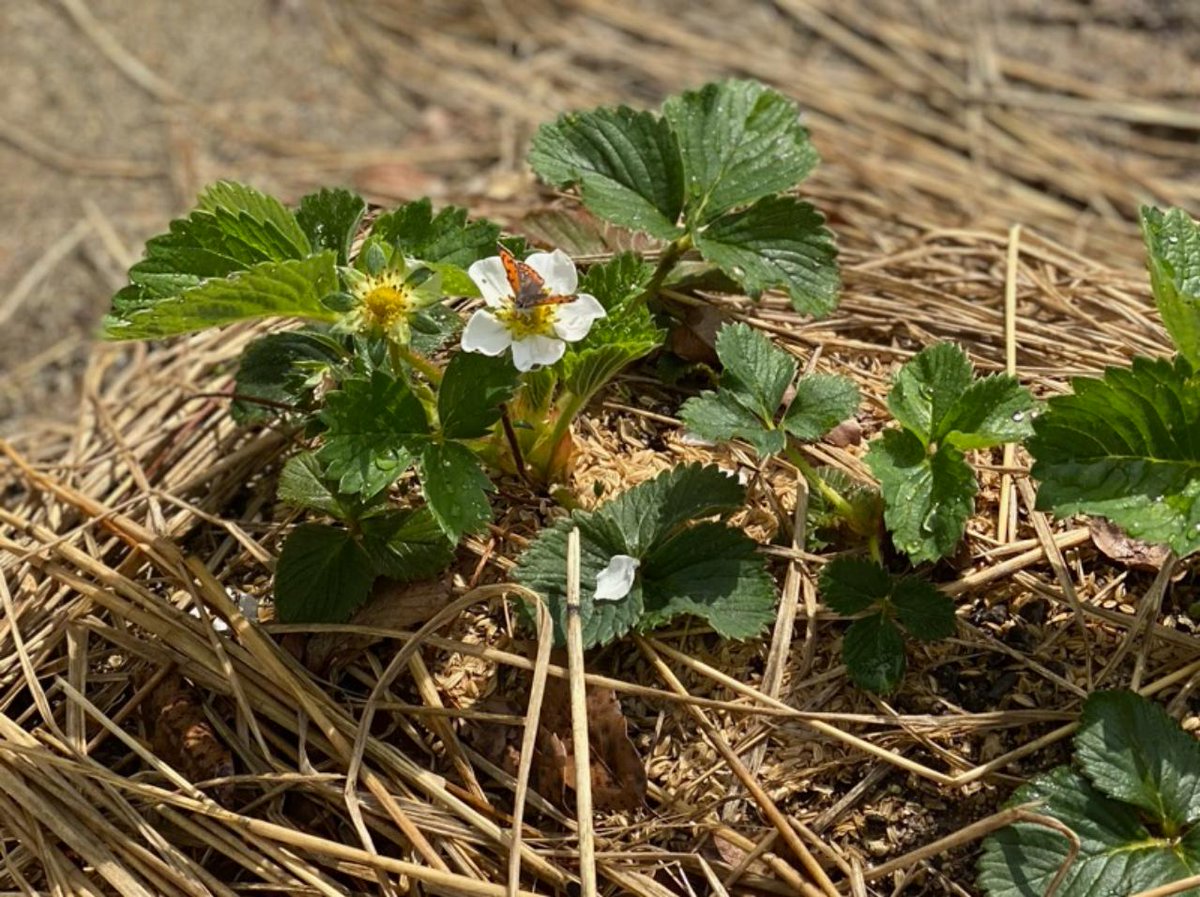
(557,270)
(489,276)
(574,319)
(537,350)
(485,333)
(614,581)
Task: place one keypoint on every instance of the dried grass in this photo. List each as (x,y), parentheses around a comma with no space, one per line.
(769,772)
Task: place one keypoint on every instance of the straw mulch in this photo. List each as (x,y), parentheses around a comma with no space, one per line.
(144,753)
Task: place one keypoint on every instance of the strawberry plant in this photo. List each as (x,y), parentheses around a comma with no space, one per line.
(436,354)
(1132,797)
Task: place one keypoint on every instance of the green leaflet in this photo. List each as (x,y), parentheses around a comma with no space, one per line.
(1173,245)
(1127,447)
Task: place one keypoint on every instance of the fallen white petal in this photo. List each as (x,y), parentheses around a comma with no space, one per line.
(557,270)
(489,276)
(575,319)
(537,350)
(485,333)
(614,581)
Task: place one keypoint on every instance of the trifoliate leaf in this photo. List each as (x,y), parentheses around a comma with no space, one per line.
(713,572)
(740,141)
(268,289)
(303,483)
(822,402)
(455,488)
(755,370)
(626,164)
(873,650)
(331,218)
(1173,243)
(322,575)
(375,425)
(714,575)
(1134,752)
(927,498)
(622,277)
(850,585)
(448,242)
(282,368)
(406,544)
(720,417)
(778,243)
(1118,854)
(925,613)
(1126,447)
(473,388)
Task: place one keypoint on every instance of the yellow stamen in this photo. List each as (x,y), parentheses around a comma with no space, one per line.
(523,323)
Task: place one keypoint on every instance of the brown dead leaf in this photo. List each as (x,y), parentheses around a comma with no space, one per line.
(1117,546)
(618,775)
(694,338)
(392,605)
(181,735)
(848,432)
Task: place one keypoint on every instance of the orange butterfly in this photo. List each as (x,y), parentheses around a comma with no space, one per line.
(528,287)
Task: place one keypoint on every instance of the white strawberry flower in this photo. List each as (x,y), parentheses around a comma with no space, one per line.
(614,581)
(532,307)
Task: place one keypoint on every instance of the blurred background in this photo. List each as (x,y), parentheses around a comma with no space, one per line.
(930,115)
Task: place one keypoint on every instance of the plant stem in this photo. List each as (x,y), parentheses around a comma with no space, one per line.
(428,369)
(831,495)
(666,262)
(511,435)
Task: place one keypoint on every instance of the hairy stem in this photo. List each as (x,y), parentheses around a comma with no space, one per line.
(831,495)
(666,263)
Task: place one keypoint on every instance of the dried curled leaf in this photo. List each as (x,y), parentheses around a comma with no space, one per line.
(181,735)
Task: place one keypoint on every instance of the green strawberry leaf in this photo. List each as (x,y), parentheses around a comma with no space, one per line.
(625,163)
(406,544)
(455,488)
(292,288)
(927,498)
(322,575)
(330,219)
(1173,244)
(1117,855)
(756,371)
(621,278)
(473,388)
(782,243)
(849,585)
(873,650)
(1125,447)
(720,417)
(375,426)
(543,567)
(1134,752)
(822,402)
(256,219)
(447,242)
(740,141)
(697,570)
(282,368)
(927,387)
(303,482)
(991,411)
(713,572)
(925,613)
(614,342)
(653,511)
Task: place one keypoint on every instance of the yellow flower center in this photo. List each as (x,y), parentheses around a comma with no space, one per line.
(385,305)
(523,323)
